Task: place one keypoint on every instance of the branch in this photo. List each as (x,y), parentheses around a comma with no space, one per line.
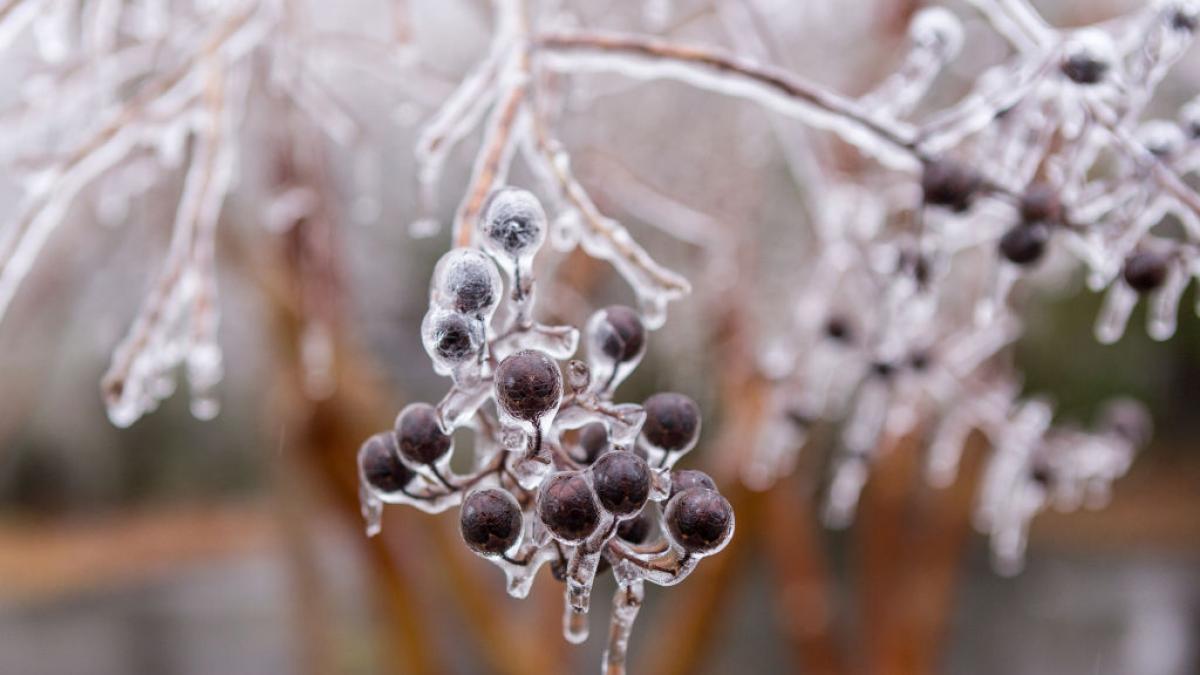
(891,141)
(634,263)
(110,143)
(491,165)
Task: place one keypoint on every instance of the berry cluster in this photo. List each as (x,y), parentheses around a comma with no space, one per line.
(562,475)
(912,296)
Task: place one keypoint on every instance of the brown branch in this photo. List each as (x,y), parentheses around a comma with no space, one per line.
(774,81)
(490,162)
(77,159)
(881,533)
(573,192)
(804,586)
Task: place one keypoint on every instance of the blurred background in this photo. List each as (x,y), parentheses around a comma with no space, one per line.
(234,546)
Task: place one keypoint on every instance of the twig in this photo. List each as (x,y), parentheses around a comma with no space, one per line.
(649,58)
(492,163)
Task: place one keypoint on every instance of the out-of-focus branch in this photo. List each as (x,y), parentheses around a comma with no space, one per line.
(105,147)
(708,68)
(623,246)
(804,598)
(41,560)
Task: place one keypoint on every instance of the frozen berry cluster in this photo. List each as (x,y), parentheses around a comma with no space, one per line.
(562,476)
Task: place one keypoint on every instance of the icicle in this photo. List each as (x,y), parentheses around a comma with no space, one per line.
(1164,304)
(1114,315)
(627,602)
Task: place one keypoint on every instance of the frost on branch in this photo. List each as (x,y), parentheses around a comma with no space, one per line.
(562,475)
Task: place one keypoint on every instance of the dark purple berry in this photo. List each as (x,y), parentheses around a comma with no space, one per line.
(528,385)
(622,482)
(686,479)
(455,338)
(626,337)
(514,222)
(1184,19)
(920,360)
(473,291)
(567,508)
(700,520)
(1145,270)
(1083,68)
(672,421)
(379,461)
(593,439)
(637,530)
(419,436)
(490,521)
(1025,243)
(1041,475)
(883,369)
(950,184)
(838,329)
(1040,204)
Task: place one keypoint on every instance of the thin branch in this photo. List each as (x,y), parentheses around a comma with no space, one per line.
(492,163)
(723,72)
(107,145)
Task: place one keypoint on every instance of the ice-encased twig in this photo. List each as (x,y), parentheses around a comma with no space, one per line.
(627,602)
(604,237)
(641,57)
(177,321)
(112,140)
(500,139)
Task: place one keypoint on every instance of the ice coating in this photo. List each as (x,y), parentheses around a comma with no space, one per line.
(466,281)
(616,343)
(535,495)
(512,228)
(927,345)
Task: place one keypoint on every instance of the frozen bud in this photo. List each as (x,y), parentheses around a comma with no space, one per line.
(938,30)
(920,360)
(1088,57)
(699,520)
(838,329)
(686,479)
(593,440)
(579,376)
(1162,138)
(419,436)
(883,369)
(513,225)
(1040,204)
(380,466)
(1145,271)
(1025,243)
(528,386)
(567,507)
(622,482)
(672,422)
(638,529)
(1182,15)
(1042,474)
(1128,419)
(450,339)
(490,521)
(1189,118)
(466,281)
(948,183)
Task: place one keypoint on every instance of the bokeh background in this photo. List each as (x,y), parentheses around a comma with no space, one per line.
(233,546)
